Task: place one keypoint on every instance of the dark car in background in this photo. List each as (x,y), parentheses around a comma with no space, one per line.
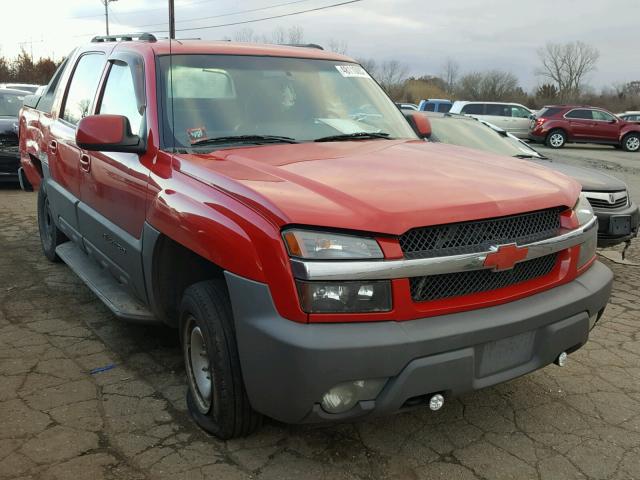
(557,125)
(10,105)
(618,216)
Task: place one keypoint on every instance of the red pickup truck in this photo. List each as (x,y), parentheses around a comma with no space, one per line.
(320,261)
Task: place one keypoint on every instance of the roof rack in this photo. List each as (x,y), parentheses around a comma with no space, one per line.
(144,37)
(304,45)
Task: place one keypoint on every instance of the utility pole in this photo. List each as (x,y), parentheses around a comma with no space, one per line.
(172,21)
(106,12)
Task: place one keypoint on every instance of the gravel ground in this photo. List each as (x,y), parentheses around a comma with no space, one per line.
(61,421)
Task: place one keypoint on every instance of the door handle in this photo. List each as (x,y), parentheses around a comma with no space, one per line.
(53,146)
(85,162)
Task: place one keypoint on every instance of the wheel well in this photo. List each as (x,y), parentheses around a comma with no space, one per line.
(174,268)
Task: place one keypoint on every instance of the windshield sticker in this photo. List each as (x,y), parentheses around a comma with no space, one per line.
(196,134)
(352,71)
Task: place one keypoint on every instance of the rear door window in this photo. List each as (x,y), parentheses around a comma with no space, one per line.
(580,114)
(83,86)
(519,112)
(430,107)
(498,110)
(473,109)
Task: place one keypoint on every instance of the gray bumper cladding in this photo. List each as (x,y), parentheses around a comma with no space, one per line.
(288,366)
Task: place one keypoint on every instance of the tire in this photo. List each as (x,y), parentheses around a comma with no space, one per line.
(556,139)
(631,142)
(217,400)
(50,235)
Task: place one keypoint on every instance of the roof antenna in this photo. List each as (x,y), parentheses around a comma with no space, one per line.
(172,36)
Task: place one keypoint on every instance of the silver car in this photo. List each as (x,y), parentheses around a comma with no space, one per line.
(512,117)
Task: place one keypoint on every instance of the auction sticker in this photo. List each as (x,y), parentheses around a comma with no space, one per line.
(352,71)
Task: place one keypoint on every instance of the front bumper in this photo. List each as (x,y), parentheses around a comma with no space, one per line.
(288,366)
(607,234)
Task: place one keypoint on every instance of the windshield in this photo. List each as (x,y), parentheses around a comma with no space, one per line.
(467,132)
(212,96)
(10,104)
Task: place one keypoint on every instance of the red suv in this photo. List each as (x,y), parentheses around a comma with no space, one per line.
(556,125)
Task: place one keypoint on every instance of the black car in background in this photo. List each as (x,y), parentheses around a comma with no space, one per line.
(10,105)
(618,216)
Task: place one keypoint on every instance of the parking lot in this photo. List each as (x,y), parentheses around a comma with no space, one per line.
(83,395)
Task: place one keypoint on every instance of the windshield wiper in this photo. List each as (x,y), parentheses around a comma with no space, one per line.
(353,136)
(244,139)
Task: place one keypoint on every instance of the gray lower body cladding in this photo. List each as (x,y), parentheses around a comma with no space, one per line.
(288,366)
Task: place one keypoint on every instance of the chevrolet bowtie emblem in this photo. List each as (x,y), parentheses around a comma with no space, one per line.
(505,257)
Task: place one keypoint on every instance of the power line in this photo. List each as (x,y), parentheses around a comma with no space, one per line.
(127,12)
(225,14)
(262,19)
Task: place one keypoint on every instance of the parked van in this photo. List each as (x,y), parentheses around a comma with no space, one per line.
(512,117)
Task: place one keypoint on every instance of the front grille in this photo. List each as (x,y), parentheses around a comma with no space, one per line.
(478,236)
(436,287)
(605,205)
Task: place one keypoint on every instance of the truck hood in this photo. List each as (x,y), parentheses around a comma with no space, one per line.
(380,186)
(591,179)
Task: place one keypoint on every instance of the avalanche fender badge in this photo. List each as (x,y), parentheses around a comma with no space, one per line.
(196,134)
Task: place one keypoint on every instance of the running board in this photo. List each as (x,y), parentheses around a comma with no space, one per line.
(101,282)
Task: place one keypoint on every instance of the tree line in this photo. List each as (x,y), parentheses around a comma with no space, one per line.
(24,69)
(563,70)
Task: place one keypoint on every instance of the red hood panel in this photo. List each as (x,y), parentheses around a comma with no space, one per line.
(380,186)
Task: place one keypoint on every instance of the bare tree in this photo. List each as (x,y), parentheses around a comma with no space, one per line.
(278,36)
(567,66)
(490,85)
(391,75)
(296,34)
(370,65)
(338,46)
(245,35)
(450,72)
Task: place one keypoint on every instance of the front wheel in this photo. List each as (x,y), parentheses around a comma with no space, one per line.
(556,139)
(631,142)
(50,235)
(217,399)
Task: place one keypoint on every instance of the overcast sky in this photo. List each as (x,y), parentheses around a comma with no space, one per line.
(478,34)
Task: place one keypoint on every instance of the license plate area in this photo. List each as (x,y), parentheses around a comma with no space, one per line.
(503,354)
(620,224)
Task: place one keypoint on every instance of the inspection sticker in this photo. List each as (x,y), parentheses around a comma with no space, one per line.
(352,71)
(196,134)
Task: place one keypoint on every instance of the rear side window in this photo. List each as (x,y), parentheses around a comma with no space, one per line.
(519,112)
(580,114)
(548,112)
(473,109)
(430,107)
(444,107)
(83,86)
(497,110)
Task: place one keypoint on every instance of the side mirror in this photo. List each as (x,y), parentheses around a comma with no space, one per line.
(108,133)
(419,122)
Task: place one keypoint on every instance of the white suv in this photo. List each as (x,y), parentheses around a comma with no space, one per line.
(512,117)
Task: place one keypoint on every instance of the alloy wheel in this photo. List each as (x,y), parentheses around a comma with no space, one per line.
(633,144)
(556,140)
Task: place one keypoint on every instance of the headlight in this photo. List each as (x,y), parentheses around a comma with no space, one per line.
(345,297)
(583,210)
(330,246)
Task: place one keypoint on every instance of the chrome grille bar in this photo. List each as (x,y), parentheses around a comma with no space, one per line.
(390,269)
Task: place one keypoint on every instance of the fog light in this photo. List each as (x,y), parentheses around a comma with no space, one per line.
(436,402)
(345,396)
(561,361)
(345,297)
(588,248)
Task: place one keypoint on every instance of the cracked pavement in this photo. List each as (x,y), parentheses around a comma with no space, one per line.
(60,421)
